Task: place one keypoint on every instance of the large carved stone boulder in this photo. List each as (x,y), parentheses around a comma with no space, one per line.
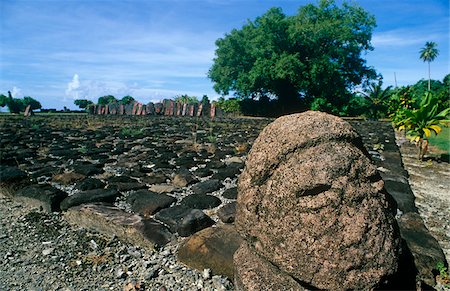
(312,205)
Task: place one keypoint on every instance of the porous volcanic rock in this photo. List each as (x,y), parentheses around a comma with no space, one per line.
(312,204)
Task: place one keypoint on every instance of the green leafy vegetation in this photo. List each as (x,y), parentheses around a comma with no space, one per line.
(186,99)
(421,122)
(83,103)
(313,57)
(132,132)
(16,105)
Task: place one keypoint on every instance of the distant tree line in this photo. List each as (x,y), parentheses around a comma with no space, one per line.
(17,105)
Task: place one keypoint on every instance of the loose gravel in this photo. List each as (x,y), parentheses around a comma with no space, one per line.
(41,251)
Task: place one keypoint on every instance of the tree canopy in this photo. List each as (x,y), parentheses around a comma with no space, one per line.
(313,54)
(27,100)
(16,105)
(428,53)
(82,103)
(108,99)
(126,100)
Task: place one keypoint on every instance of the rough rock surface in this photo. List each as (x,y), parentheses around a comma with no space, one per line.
(313,205)
(129,227)
(211,248)
(45,196)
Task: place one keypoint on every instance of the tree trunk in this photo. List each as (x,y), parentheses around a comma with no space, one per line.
(429,77)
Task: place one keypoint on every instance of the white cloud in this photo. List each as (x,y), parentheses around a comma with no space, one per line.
(16,92)
(73,86)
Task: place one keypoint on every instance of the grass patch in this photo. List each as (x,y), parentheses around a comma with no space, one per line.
(442,140)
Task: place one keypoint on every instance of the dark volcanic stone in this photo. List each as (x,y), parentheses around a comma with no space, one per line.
(184,220)
(43,195)
(230,171)
(203,172)
(227,213)
(96,195)
(155,232)
(10,176)
(123,187)
(154,179)
(87,169)
(230,193)
(201,201)
(46,171)
(121,179)
(207,186)
(90,184)
(147,202)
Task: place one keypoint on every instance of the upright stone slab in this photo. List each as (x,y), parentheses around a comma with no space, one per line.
(312,205)
(179,107)
(200,109)
(99,109)
(28,111)
(150,109)
(192,109)
(159,109)
(184,109)
(113,108)
(135,107)
(139,109)
(129,108)
(121,109)
(212,111)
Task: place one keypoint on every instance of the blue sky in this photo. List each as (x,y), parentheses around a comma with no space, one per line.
(60,50)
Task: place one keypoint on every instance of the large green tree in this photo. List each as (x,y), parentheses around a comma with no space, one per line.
(83,103)
(27,100)
(428,53)
(313,54)
(108,99)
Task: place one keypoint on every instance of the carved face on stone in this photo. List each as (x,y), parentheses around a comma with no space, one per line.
(311,202)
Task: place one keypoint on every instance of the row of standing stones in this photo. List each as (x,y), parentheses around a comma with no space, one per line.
(167,108)
(312,211)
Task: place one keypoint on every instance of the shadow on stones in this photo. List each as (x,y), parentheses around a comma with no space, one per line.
(405,278)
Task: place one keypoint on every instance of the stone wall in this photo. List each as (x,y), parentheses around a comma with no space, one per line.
(167,108)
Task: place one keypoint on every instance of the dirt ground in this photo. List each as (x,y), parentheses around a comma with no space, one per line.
(430,182)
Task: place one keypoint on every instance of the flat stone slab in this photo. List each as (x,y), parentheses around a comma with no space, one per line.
(184,220)
(211,248)
(45,196)
(128,227)
(147,202)
(89,196)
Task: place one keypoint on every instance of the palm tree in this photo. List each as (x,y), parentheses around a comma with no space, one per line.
(377,98)
(428,54)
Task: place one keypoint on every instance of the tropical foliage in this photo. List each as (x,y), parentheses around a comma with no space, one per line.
(423,121)
(296,59)
(186,99)
(83,103)
(17,105)
(377,99)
